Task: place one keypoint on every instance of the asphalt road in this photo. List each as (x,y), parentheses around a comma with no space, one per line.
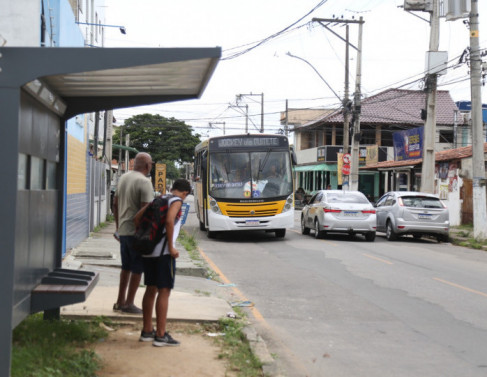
(347,307)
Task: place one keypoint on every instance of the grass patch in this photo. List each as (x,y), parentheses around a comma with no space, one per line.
(189,243)
(55,348)
(235,347)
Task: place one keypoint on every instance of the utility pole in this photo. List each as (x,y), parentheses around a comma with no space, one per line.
(428,166)
(212,123)
(246,115)
(354,169)
(346,101)
(239,97)
(478,159)
(346,113)
(286,125)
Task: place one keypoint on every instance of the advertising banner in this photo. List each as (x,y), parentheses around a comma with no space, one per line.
(408,144)
(339,167)
(160,181)
(372,157)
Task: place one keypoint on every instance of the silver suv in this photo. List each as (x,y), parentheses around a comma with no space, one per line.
(417,213)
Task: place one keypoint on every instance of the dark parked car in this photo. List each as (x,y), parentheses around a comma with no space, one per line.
(417,213)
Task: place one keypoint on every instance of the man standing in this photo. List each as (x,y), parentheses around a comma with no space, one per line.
(134,191)
(160,271)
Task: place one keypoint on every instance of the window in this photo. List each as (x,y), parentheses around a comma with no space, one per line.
(36,173)
(22,172)
(51,175)
(446,136)
(390,201)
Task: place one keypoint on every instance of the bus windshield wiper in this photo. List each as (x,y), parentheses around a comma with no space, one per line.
(261,167)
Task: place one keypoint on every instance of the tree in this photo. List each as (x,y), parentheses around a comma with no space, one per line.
(167,140)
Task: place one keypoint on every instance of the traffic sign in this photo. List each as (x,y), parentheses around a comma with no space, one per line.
(346,169)
(347,158)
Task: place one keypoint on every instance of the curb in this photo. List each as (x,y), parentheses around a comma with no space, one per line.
(259,348)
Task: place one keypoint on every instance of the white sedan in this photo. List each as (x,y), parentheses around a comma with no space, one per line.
(336,211)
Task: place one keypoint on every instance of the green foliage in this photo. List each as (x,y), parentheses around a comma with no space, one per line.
(53,348)
(167,140)
(237,349)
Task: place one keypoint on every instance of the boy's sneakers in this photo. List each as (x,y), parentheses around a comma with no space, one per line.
(131,309)
(165,341)
(147,336)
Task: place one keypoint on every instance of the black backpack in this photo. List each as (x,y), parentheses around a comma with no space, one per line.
(152,225)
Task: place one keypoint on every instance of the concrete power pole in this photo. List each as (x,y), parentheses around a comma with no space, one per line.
(354,169)
(346,102)
(346,113)
(428,167)
(478,160)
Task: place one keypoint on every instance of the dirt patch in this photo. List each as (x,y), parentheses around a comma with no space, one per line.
(123,355)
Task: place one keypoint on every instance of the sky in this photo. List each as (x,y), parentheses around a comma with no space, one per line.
(393,54)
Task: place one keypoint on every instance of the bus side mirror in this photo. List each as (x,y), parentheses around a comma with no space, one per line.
(294,159)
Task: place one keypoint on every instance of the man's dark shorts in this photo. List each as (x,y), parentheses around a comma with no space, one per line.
(131,260)
(160,271)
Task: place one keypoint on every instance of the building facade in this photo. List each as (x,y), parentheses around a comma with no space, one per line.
(381,116)
(64,23)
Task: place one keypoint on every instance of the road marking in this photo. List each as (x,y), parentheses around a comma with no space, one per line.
(461,287)
(237,291)
(379,259)
(258,316)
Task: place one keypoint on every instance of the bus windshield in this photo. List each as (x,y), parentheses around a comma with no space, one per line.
(245,175)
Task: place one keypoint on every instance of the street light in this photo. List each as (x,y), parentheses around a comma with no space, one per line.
(121,28)
(321,77)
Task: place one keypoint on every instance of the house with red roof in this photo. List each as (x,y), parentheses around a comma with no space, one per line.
(318,140)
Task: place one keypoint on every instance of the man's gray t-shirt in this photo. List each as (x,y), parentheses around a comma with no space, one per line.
(133,189)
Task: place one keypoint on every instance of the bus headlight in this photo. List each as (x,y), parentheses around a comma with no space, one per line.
(289,203)
(214,206)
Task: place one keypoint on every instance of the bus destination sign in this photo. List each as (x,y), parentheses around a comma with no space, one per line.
(246,142)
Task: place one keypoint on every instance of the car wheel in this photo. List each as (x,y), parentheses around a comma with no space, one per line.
(370,236)
(280,233)
(443,238)
(304,228)
(318,232)
(390,234)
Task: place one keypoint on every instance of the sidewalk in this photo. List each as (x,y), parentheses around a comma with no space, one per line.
(101,253)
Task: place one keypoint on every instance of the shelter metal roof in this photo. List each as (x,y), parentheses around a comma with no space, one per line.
(92,79)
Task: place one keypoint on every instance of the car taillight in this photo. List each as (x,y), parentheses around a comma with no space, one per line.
(400,202)
(327,210)
(369,211)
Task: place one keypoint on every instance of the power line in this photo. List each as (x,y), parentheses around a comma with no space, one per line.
(265,40)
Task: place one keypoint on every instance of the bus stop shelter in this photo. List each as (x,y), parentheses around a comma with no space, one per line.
(40,88)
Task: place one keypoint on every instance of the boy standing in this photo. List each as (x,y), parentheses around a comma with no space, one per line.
(160,271)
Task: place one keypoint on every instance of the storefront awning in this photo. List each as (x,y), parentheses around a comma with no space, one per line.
(320,167)
(124,148)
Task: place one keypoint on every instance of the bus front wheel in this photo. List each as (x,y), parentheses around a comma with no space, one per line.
(210,234)
(280,233)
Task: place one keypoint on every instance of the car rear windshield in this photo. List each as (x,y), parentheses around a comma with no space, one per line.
(346,198)
(421,202)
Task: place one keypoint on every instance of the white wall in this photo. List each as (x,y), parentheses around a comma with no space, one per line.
(18,16)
